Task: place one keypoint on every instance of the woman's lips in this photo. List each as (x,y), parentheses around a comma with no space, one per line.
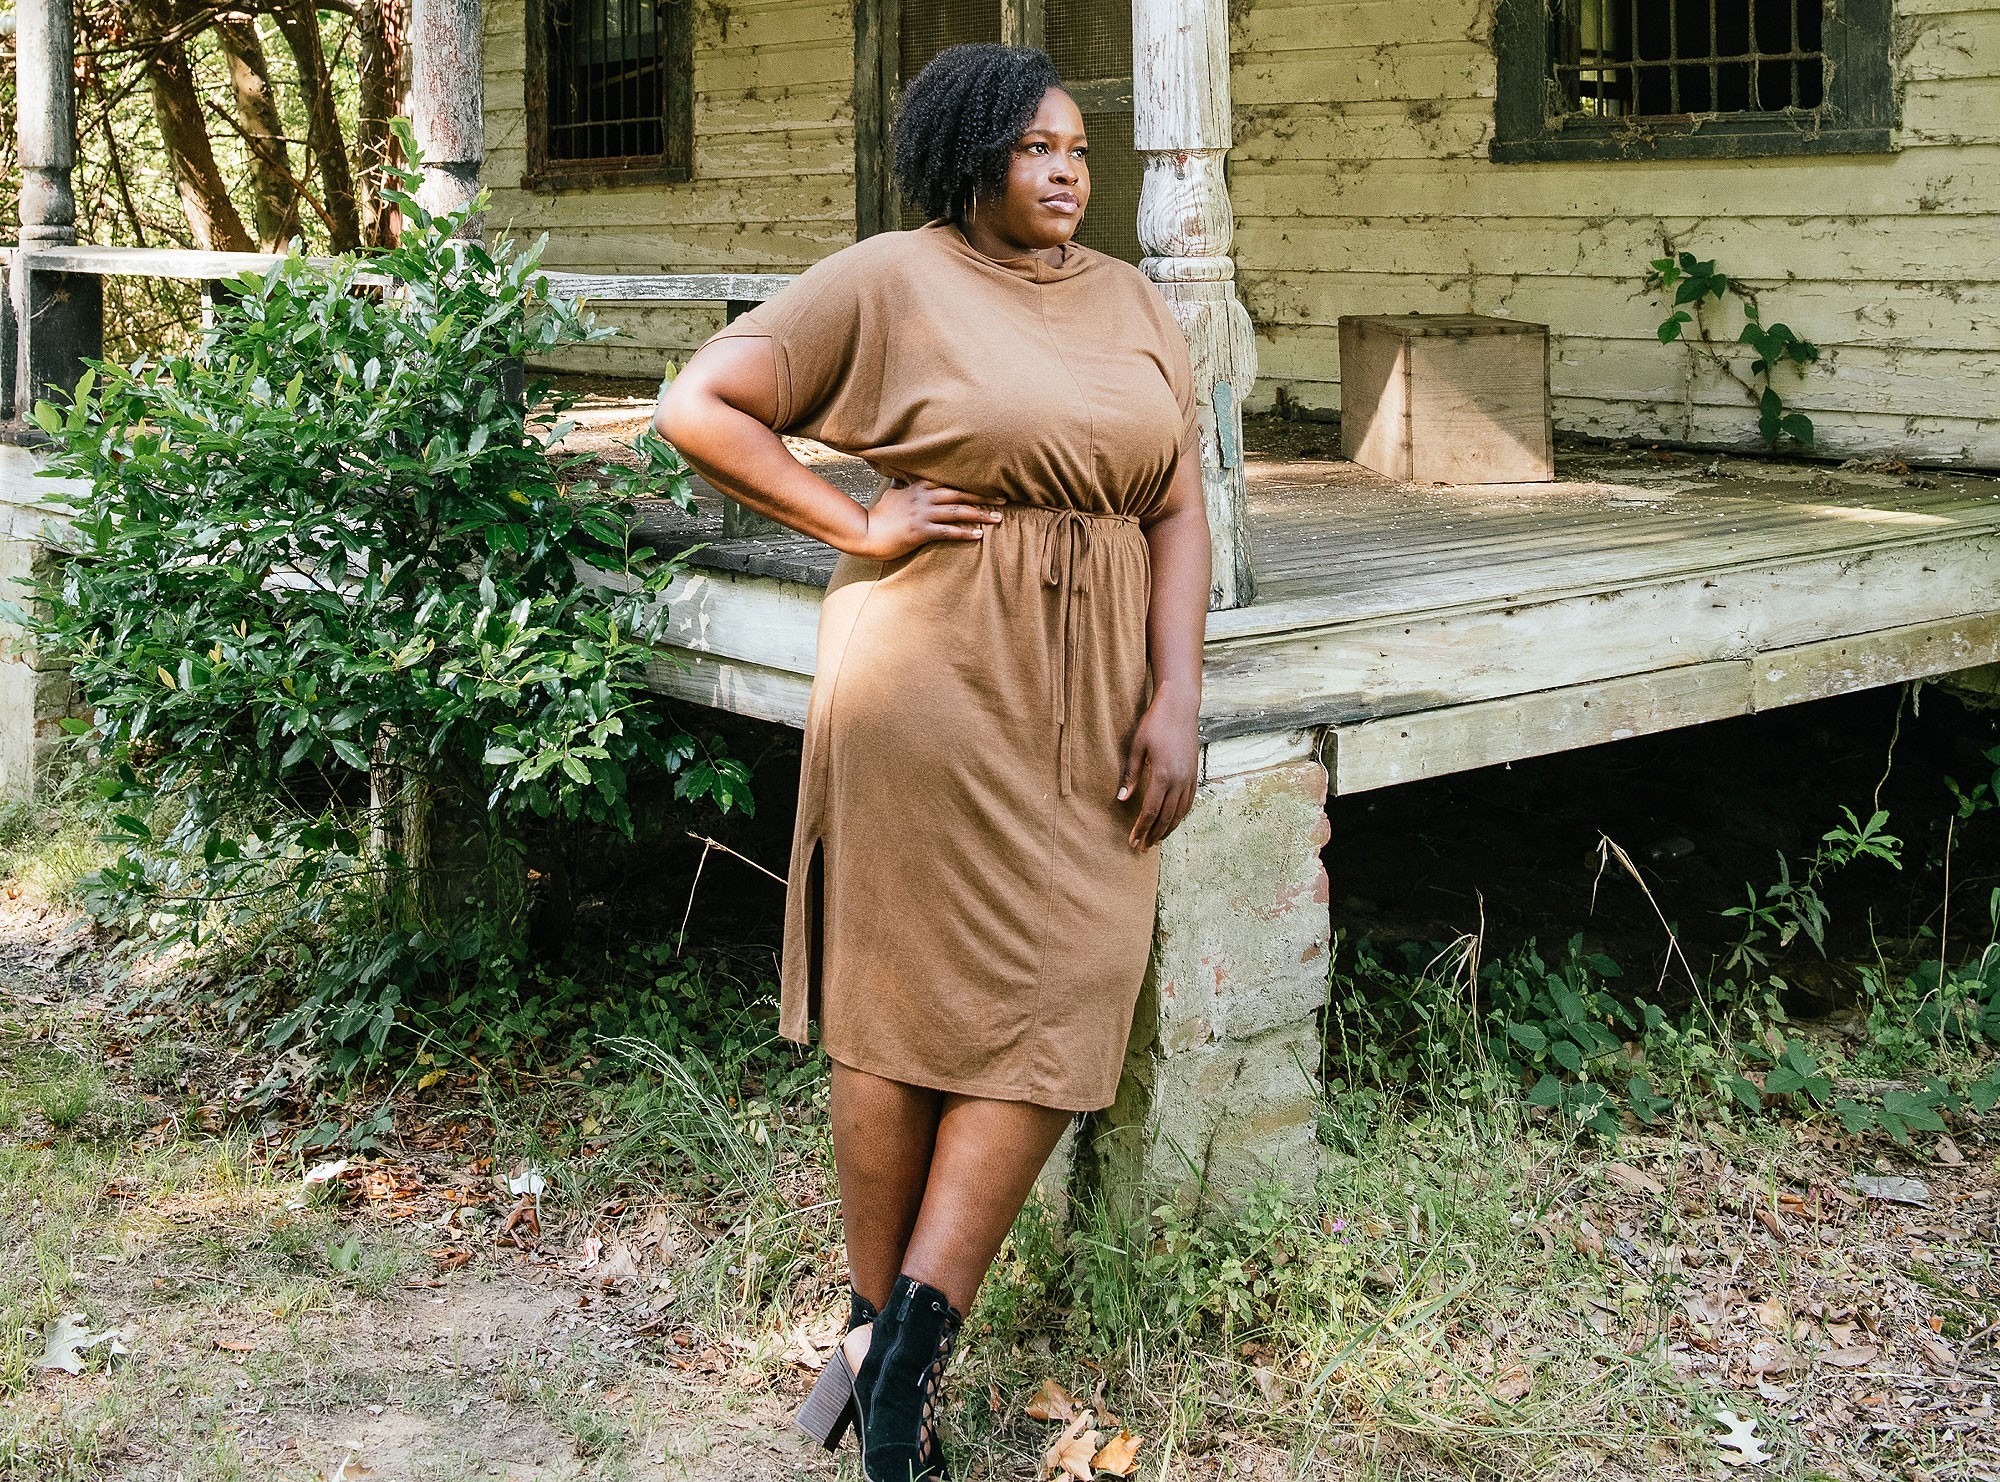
(1063,203)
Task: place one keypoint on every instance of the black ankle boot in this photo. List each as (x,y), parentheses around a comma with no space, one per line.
(912,1342)
(834,1403)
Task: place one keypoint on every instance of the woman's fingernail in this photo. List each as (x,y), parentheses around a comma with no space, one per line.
(1124,793)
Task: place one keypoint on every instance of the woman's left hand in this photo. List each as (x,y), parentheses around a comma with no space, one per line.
(1161,768)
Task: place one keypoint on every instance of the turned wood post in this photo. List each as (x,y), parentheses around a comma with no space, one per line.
(447,102)
(1180,123)
(58,317)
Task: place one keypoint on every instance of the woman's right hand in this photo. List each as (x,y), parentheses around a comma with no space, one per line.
(908,515)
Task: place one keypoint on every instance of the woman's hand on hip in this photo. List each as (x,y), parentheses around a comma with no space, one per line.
(1160,769)
(906,516)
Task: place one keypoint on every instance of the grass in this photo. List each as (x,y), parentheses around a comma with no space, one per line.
(1476,1287)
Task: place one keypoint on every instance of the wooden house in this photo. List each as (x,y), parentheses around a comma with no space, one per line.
(1519,158)
(1275,167)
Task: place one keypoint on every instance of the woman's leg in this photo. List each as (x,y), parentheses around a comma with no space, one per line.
(982,1167)
(883,1136)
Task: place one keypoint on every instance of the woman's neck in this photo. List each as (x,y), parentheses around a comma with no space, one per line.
(989,243)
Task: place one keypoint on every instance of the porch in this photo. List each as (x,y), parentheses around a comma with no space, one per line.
(1404,631)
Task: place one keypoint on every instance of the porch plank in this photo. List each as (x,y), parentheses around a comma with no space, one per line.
(1435,743)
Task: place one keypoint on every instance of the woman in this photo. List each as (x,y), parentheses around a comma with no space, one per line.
(1002,723)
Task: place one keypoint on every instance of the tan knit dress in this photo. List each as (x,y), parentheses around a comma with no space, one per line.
(964,912)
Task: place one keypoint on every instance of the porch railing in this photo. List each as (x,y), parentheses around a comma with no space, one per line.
(53,317)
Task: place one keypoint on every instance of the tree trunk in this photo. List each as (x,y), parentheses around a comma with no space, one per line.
(461,869)
(204,197)
(378,29)
(324,141)
(277,204)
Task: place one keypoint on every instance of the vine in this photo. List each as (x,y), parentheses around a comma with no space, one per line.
(1694,283)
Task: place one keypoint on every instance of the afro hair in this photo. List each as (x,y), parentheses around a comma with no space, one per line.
(958,120)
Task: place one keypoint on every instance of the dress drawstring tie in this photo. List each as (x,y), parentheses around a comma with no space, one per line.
(1066,567)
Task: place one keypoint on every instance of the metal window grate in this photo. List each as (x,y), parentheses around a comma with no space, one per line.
(1645,59)
(607,79)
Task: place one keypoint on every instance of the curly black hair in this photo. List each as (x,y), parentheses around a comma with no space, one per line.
(956,126)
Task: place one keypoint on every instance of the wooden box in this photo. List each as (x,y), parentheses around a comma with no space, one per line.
(1446,398)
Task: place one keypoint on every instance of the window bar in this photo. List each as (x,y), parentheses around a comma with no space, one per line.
(1632,66)
(1673,57)
(1792,67)
(593,138)
(1714,65)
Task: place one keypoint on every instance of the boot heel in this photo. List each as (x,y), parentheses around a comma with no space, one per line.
(829,1409)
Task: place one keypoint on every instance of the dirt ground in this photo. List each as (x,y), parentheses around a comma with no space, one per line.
(416,1315)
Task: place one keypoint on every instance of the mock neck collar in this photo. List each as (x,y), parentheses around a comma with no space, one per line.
(1032,268)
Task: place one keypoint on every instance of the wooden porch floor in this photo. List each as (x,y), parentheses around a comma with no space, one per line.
(1411,631)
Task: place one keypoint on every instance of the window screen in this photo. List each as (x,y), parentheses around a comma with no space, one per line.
(1091,44)
(607,79)
(1628,59)
(927,30)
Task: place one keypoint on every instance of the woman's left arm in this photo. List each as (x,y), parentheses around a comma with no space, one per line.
(1166,749)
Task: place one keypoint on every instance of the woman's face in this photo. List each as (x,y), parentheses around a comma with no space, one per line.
(1048,179)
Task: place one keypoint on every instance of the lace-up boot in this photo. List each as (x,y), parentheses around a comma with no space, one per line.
(913,1341)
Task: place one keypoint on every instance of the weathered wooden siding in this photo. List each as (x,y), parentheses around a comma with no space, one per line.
(773,186)
(1361,184)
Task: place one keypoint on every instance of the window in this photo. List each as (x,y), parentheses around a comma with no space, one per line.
(1637,79)
(610,92)
(1090,42)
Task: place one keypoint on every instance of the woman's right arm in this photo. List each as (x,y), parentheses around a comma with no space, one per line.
(718,412)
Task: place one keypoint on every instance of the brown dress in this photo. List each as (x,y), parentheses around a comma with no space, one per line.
(964,911)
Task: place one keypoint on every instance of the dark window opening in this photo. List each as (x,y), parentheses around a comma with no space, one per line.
(610,93)
(607,79)
(1624,59)
(1685,79)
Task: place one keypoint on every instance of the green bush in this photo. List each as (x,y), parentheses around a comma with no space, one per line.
(349,623)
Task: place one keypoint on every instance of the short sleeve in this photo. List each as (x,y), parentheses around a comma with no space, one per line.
(825,334)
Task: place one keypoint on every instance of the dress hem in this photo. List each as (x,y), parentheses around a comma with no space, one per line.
(952,1086)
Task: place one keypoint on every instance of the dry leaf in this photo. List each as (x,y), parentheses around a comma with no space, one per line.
(1849,1358)
(1119,1455)
(1632,1180)
(1513,1384)
(619,1264)
(1771,1314)
(1741,1447)
(235,1345)
(1894,1188)
(1071,1453)
(1052,1402)
(1948,1153)
(68,1338)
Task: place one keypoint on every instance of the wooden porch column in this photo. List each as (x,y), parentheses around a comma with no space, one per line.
(55,321)
(448,102)
(1180,123)
(58,317)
